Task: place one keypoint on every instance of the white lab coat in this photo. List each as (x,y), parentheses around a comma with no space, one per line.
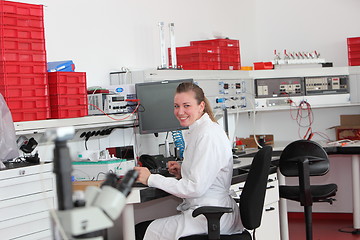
(206,178)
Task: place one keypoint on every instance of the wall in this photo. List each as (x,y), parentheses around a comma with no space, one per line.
(103,36)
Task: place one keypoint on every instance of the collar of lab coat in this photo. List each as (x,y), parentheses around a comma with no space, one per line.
(204,118)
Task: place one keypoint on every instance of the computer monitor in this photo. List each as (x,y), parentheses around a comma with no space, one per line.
(156,111)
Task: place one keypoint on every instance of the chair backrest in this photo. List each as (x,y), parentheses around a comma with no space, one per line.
(299,151)
(253,195)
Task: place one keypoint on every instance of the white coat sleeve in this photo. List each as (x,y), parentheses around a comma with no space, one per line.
(204,168)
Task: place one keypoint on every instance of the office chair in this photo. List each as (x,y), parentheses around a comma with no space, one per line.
(251,202)
(303,159)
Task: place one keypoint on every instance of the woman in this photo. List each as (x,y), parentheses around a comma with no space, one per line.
(203,179)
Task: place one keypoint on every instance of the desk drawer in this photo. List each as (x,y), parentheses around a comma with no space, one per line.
(272,192)
(43,235)
(17,207)
(27,185)
(22,226)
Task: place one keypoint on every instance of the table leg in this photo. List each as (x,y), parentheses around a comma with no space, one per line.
(284,226)
(128,221)
(356,192)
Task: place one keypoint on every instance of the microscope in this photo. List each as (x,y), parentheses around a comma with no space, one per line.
(101,206)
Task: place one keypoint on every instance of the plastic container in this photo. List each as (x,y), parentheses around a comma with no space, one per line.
(9,91)
(217,42)
(196,49)
(30,115)
(23,21)
(23,80)
(28,103)
(69,112)
(23,32)
(22,8)
(67,78)
(61,66)
(68,100)
(353,40)
(201,66)
(23,56)
(67,89)
(263,65)
(230,66)
(200,57)
(22,44)
(22,67)
(354,62)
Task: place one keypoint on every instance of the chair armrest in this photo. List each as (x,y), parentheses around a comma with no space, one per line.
(213,215)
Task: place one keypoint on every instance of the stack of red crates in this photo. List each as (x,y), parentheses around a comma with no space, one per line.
(353,51)
(215,54)
(229,52)
(68,94)
(23,76)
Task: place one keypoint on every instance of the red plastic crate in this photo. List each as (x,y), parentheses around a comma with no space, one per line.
(23,56)
(22,8)
(9,91)
(68,100)
(353,55)
(67,77)
(263,65)
(354,40)
(23,79)
(69,112)
(196,49)
(230,58)
(23,67)
(23,32)
(28,103)
(200,57)
(229,51)
(67,89)
(230,66)
(354,62)
(30,115)
(22,44)
(201,66)
(23,21)
(217,42)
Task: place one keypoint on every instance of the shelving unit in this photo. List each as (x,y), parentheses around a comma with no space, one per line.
(40,126)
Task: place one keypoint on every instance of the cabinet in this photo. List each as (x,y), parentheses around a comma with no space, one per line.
(270,224)
(27,193)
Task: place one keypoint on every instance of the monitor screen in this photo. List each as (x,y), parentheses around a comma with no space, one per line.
(156,111)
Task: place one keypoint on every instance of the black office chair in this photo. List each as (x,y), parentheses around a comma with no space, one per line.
(251,202)
(302,159)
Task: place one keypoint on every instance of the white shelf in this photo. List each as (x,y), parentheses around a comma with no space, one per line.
(40,126)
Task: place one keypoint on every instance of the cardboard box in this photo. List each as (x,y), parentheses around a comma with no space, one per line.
(250,141)
(349,127)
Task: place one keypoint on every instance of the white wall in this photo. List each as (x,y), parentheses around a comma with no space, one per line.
(103,36)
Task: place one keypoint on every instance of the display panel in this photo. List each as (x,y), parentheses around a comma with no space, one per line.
(156,111)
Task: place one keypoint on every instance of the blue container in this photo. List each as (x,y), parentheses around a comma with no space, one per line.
(61,66)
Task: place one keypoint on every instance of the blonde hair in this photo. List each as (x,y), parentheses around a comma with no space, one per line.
(199,96)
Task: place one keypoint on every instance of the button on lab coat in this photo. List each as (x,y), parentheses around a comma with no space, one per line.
(206,178)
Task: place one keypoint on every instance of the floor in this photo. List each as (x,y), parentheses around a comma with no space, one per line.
(325,226)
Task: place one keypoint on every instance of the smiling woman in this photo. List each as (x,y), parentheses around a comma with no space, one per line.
(203,178)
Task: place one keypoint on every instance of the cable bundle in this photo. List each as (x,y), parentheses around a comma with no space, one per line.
(179,142)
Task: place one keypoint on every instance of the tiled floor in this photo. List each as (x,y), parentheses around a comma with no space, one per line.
(325,227)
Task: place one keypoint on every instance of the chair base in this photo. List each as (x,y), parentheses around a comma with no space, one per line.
(245,235)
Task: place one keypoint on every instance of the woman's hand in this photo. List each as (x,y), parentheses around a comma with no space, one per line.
(174,169)
(144,174)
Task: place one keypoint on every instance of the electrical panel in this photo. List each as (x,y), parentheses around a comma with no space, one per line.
(326,85)
(279,87)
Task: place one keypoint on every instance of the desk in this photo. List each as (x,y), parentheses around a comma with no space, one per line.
(354,151)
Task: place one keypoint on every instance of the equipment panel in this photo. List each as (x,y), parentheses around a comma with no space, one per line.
(279,87)
(326,85)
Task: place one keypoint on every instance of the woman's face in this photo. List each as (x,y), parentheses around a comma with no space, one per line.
(186,108)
